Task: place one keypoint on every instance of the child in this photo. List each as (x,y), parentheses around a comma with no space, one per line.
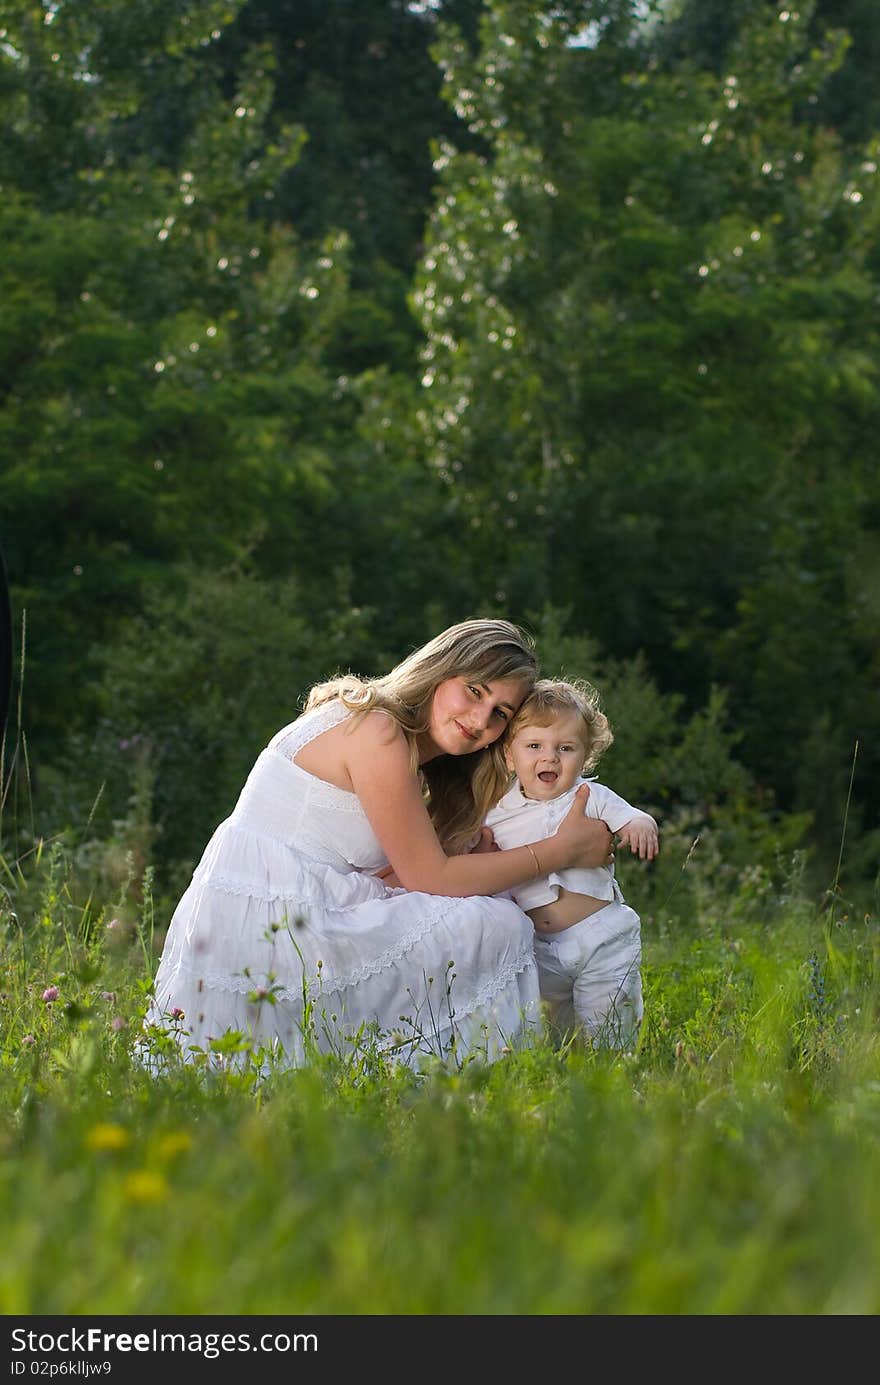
(587,940)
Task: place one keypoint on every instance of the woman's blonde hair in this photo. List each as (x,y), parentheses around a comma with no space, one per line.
(550,696)
(460,789)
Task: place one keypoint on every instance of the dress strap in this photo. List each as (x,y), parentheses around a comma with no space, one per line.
(290,740)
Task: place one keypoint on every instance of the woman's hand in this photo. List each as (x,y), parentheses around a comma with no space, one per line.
(388,876)
(587,842)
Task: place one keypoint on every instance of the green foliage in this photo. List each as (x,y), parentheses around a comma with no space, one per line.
(346,74)
(646,392)
(717,825)
(166,387)
(193,688)
(649,371)
(702,31)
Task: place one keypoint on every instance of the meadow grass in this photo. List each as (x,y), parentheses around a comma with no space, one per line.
(728,1166)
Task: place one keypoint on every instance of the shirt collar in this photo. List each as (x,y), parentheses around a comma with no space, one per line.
(515,798)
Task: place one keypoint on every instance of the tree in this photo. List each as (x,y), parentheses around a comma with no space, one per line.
(162,339)
(360,82)
(703,31)
(650,377)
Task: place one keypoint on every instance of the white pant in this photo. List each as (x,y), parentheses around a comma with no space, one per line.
(590,975)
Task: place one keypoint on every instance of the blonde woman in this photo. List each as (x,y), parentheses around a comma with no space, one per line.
(289,936)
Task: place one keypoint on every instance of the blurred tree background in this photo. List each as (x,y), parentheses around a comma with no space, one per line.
(326,324)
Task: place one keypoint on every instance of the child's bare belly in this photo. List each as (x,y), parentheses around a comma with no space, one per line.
(561,913)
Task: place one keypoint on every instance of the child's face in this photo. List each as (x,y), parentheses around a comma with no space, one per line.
(547,760)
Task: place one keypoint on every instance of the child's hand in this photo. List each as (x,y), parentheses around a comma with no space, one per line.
(642,837)
(485,842)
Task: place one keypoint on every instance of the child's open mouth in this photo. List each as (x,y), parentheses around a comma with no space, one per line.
(548,776)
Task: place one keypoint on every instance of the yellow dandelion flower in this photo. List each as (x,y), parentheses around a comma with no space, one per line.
(145,1186)
(107,1136)
(177,1142)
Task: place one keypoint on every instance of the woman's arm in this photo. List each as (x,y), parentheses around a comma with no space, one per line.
(377,760)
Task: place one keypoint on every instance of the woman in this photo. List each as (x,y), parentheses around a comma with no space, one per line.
(287,935)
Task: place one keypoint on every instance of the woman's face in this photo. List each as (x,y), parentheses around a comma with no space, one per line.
(467,715)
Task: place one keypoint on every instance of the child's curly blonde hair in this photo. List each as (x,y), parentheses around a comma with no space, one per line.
(550,696)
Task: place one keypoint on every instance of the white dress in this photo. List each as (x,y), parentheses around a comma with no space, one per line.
(286,937)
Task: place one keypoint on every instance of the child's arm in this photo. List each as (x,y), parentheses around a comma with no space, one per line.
(641,835)
(632,826)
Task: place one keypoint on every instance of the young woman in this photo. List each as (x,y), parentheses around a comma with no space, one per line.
(288,935)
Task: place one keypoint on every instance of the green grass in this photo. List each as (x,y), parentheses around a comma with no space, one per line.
(727,1167)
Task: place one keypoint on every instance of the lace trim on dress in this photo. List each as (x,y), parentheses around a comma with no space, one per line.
(234,985)
(225,884)
(500,980)
(290,740)
(374,965)
(244,985)
(391,955)
(292,737)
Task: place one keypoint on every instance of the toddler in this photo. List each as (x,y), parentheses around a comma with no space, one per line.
(587,939)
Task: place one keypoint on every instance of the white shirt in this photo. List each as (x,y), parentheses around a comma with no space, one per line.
(520,821)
